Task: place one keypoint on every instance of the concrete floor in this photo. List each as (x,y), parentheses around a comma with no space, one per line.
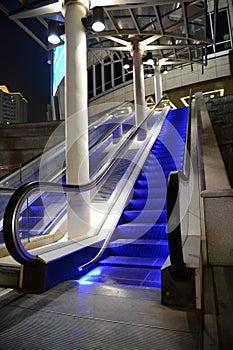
(109,314)
(218,308)
(81,315)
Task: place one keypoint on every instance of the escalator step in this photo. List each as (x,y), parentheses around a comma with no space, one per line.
(141,231)
(140,248)
(152,204)
(128,261)
(146,216)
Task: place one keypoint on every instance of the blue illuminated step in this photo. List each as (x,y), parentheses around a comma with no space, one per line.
(152,204)
(141,231)
(140,248)
(133,262)
(158,192)
(145,216)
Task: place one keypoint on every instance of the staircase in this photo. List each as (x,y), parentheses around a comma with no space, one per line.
(139,246)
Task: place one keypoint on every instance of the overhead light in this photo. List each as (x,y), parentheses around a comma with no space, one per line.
(163,70)
(126,63)
(149,72)
(55,29)
(149,58)
(98,19)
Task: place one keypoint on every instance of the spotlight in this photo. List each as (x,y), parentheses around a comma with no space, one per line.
(55,29)
(126,63)
(98,19)
(149,73)
(149,58)
(163,70)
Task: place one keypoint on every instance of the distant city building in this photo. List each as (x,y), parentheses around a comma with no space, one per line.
(13,107)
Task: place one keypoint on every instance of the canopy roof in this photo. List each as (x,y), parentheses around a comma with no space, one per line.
(175,32)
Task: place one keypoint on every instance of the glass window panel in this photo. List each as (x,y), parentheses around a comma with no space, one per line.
(129,76)
(123,19)
(164,41)
(98,78)
(90,83)
(146,17)
(184,54)
(196,30)
(223,32)
(109,25)
(177,30)
(223,38)
(118,73)
(164,9)
(107,77)
(223,46)
(196,54)
(167,53)
(210,49)
(176,15)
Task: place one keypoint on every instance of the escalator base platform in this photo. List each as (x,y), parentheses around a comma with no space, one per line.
(75,315)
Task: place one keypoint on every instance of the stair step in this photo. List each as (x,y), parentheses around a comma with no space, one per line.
(141,231)
(145,216)
(152,204)
(154,184)
(158,192)
(128,261)
(140,248)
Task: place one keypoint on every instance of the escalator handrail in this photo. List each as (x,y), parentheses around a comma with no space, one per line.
(173,207)
(12,212)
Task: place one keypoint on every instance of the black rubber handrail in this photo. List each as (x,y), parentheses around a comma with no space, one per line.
(12,212)
(173,207)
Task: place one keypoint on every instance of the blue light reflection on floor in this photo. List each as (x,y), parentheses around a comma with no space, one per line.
(132,276)
(86,279)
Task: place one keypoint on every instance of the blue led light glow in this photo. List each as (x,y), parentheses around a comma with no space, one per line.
(87,279)
(147,253)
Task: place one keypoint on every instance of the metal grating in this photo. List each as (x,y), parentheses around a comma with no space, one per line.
(26,329)
(95,317)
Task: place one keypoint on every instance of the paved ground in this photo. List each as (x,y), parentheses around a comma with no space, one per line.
(218,308)
(95,316)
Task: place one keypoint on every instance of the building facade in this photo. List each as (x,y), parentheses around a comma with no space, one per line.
(13,107)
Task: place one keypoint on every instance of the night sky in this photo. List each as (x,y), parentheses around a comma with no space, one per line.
(24,68)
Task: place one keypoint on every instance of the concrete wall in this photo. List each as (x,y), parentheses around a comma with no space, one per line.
(217,195)
(21,142)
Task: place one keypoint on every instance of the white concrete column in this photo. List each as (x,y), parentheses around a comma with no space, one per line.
(158,83)
(76,114)
(138,81)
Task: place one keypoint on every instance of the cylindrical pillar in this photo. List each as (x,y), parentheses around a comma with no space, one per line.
(76,116)
(138,81)
(157,83)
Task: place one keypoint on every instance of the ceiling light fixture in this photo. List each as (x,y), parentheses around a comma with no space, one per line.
(55,29)
(149,58)
(98,19)
(126,63)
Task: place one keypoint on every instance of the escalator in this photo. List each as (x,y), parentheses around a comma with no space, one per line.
(130,243)
(139,246)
